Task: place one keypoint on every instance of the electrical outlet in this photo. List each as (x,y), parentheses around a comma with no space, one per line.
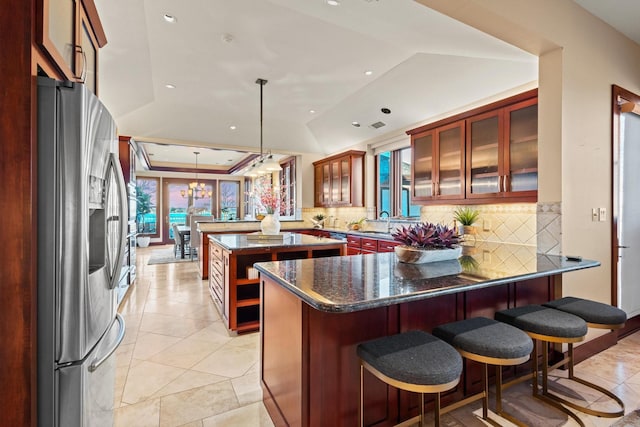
(594,214)
(486,225)
(486,256)
(602,214)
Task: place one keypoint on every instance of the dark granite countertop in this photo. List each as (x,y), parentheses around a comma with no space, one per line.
(360,282)
(236,242)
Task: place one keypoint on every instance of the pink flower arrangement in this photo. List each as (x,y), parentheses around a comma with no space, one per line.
(269,198)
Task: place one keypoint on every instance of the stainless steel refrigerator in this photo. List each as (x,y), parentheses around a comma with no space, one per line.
(82,229)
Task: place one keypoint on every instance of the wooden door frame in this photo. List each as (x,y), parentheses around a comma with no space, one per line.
(618,93)
(164,234)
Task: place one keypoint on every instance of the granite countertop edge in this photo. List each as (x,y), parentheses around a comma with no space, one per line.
(325,305)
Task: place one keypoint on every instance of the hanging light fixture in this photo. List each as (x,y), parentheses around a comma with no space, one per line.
(265,163)
(196,189)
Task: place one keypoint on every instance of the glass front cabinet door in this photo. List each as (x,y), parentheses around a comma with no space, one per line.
(502,152)
(438,159)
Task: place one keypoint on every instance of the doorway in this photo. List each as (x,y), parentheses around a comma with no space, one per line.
(626,201)
(178,203)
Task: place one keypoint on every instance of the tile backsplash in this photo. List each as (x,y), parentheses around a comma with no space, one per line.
(537,225)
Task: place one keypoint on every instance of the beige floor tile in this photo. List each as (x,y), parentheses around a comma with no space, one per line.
(143,414)
(146,378)
(196,404)
(215,333)
(150,344)
(170,325)
(247,388)
(229,361)
(189,380)
(254,415)
(185,353)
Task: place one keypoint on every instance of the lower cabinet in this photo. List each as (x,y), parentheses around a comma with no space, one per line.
(234,283)
(364,245)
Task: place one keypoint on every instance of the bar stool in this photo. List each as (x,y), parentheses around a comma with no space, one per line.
(549,326)
(597,315)
(414,361)
(489,342)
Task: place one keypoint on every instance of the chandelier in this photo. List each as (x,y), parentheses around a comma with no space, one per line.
(196,189)
(265,163)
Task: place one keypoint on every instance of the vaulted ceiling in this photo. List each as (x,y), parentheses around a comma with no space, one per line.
(314,57)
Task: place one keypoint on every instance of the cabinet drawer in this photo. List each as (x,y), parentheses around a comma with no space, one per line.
(369,244)
(217,265)
(216,251)
(386,245)
(353,241)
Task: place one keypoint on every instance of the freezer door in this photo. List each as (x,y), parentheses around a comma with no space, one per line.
(86,390)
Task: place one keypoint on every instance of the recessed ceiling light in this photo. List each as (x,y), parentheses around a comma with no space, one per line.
(170,18)
(368,73)
(333,2)
(312,111)
(355,124)
(170,86)
(232,127)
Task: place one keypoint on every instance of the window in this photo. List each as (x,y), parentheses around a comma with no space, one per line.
(394,183)
(147,206)
(229,200)
(288,188)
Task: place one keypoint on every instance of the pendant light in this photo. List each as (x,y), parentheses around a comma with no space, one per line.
(264,164)
(196,189)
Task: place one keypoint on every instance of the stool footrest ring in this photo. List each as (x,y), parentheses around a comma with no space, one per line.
(590,411)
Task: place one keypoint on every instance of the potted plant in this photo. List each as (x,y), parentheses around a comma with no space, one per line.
(426,242)
(466,217)
(356,224)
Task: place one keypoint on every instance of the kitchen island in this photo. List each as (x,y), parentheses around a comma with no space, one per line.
(233,282)
(315,313)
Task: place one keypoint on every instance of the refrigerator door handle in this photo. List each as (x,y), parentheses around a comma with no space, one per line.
(99,361)
(122,195)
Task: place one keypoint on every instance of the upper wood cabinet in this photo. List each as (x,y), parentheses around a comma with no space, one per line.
(70,33)
(338,180)
(502,152)
(486,155)
(438,159)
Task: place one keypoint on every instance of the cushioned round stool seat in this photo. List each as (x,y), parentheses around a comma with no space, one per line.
(489,342)
(414,361)
(544,321)
(486,337)
(595,313)
(414,357)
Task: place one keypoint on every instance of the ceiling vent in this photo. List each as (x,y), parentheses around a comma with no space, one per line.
(377,125)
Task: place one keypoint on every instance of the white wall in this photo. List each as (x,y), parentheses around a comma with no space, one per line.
(580,58)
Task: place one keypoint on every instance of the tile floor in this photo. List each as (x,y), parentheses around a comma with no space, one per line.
(178,366)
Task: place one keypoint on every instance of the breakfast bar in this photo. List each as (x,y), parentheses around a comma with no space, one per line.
(316,311)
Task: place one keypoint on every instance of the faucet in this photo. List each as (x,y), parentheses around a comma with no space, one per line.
(388,220)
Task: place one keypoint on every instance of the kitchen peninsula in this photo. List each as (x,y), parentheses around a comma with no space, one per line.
(315,313)
(233,282)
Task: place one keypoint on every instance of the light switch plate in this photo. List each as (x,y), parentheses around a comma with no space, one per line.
(602,214)
(594,214)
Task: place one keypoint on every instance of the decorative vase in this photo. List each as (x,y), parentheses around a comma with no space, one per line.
(143,241)
(412,255)
(270,225)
